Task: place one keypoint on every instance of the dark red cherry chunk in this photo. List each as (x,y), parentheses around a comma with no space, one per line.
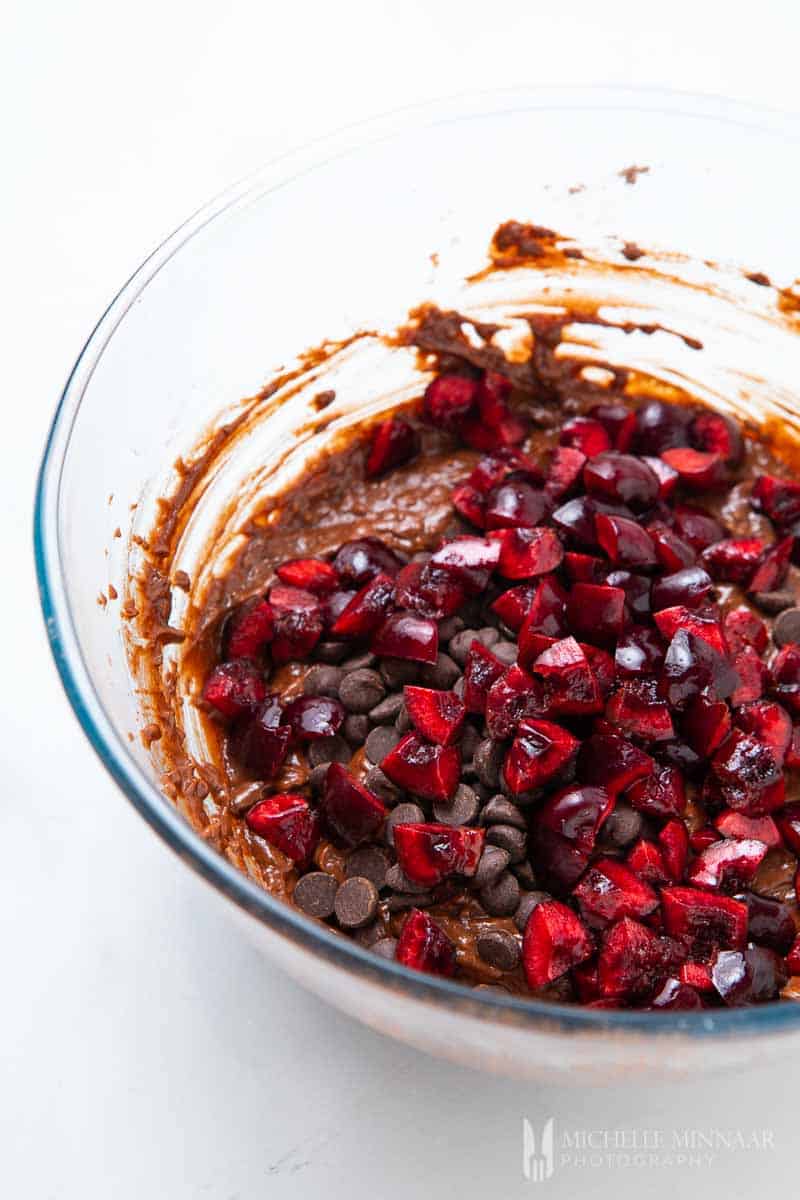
(424,946)
(623,478)
(234,688)
(406,635)
(429,853)
(249,629)
(432,772)
(394,442)
(287,822)
(449,399)
(350,809)
(360,560)
(555,939)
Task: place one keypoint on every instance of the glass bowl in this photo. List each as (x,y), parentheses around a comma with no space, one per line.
(349,233)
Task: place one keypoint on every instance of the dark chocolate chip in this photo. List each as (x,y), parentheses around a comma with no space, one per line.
(328,750)
(369,934)
(449,627)
(331,652)
(399,882)
(380,742)
(315,894)
(487,759)
(245,796)
(355,729)
(499,949)
(384,947)
(316,779)
(403,722)
(371,862)
(775,602)
(361,690)
(400,900)
(381,786)
(525,873)
(404,814)
(462,809)
(323,681)
(787,627)
(356,902)
(397,672)
(623,826)
(493,862)
(501,897)
(459,687)
(506,652)
(386,712)
(458,646)
(500,811)
(470,739)
(509,838)
(442,674)
(527,904)
(489,636)
(360,662)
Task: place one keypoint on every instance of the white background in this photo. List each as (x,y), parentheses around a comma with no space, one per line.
(145,1050)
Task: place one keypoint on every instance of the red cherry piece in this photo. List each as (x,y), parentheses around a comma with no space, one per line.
(432,772)
(431,591)
(744,767)
(513,696)
(707,627)
(633,962)
(448,400)
(312,574)
(596,612)
(540,751)
(555,940)
(249,629)
(636,711)
(609,891)
(640,651)
(697,469)
(744,628)
(313,717)
(733,560)
(687,587)
(577,814)
(424,946)
(514,504)
(660,427)
(545,615)
(618,421)
(623,478)
(771,570)
(737,825)
(703,921)
(717,434)
(570,684)
(429,853)
(564,472)
(405,635)
(662,794)
(778,498)
(674,842)
(732,862)
(234,688)
(287,822)
(298,622)
(362,559)
(512,606)
(672,552)
(785,672)
(394,442)
(526,553)
(697,526)
(261,741)
(586,435)
(625,542)
(706,725)
(438,716)
(752,677)
(470,503)
(692,668)
(351,810)
(367,609)
(666,475)
(646,860)
(481,670)
(609,761)
(752,976)
(584,568)
(769,724)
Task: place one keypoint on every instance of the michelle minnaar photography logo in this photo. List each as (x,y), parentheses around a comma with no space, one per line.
(549,1146)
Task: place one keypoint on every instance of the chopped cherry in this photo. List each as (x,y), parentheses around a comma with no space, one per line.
(234,688)
(697,470)
(706,724)
(733,560)
(703,921)
(312,574)
(625,542)
(730,862)
(470,503)
(618,421)
(750,976)
(351,810)
(513,696)
(674,842)
(570,684)
(545,615)
(512,606)
(609,891)
(646,860)
(770,922)
(564,472)
(697,526)
(367,609)
(394,442)
(424,946)
(693,668)
(406,635)
(449,399)
(432,772)
(586,435)
(429,853)
(555,939)
(577,813)
(666,475)
(622,478)
(687,587)
(249,629)
(778,498)
(677,995)
(540,751)
(596,612)
(785,672)
(287,822)
(360,560)
(633,961)
(640,651)
(700,624)
(526,553)
(717,434)
(769,724)
(770,572)
(744,767)
(662,794)
(636,710)
(481,670)
(660,427)
(429,590)
(752,677)
(298,622)
(672,552)
(733,824)
(743,628)
(261,741)
(438,716)
(313,717)
(584,568)
(788,822)
(609,761)
(514,504)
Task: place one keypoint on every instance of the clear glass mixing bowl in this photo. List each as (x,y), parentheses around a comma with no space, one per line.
(335,237)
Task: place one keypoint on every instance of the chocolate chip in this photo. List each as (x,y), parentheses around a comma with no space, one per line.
(442,674)
(524,872)
(397,672)
(359,662)
(493,989)
(526,906)
(361,690)
(774,602)
(400,900)
(459,687)
(489,636)
(386,712)
(382,787)
(403,721)
(623,826)
(328,750)
(245,796)
(506,652)
(421,556)
(449,627)
(356,902)
(399,882)
(368,935)
(315,894)
(499,949)
(458,646)
(461,810)
(323,681)
(501,898)
(331,652)
(493,862)
(316,779)
(384,947)
(787,627)
(509,838)
(355,729)
(500,811)
(404,814)
(371,862)
(380,742)
(469,741)
(487,760)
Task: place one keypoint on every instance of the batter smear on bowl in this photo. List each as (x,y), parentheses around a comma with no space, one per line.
(533,720)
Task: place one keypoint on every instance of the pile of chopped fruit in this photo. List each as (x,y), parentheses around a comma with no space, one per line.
(570,727)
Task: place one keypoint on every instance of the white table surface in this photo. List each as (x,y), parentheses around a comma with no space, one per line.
(145,1049)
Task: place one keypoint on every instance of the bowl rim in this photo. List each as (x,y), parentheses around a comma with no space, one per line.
(112,750)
